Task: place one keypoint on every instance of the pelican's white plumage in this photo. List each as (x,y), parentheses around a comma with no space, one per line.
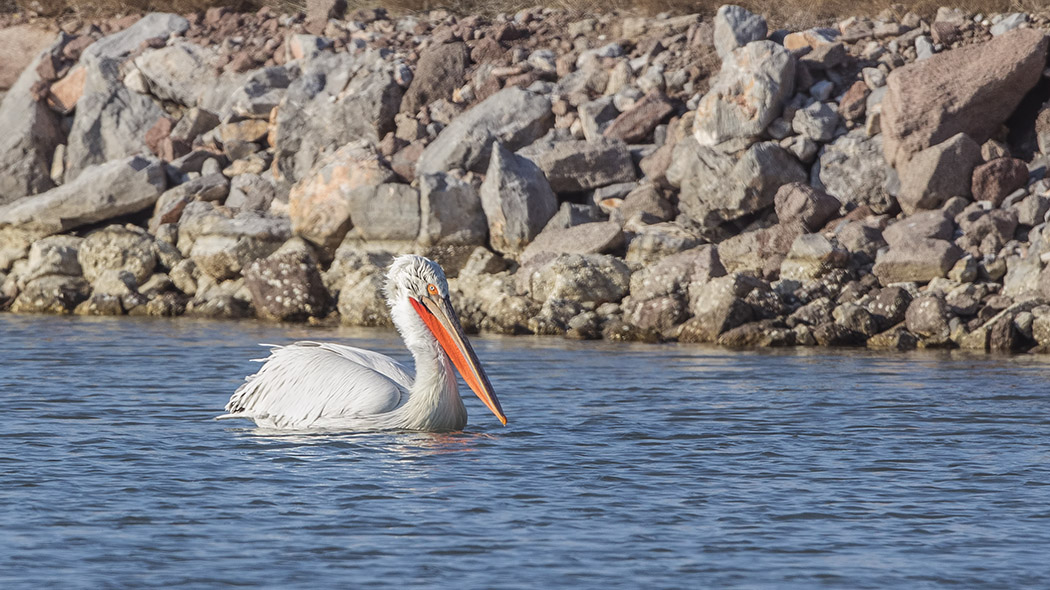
(323,385)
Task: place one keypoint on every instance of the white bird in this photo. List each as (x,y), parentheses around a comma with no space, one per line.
(311,385)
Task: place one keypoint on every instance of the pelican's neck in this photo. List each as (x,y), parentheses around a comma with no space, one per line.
(433,402)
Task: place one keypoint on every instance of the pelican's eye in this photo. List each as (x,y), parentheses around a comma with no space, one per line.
(432,289)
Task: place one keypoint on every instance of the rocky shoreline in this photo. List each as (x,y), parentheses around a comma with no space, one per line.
(879,182)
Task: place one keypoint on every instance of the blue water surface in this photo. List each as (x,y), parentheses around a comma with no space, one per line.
(622,466)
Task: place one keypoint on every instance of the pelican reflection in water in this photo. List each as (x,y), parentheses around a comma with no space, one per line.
(311,385)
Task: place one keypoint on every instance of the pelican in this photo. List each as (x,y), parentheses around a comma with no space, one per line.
(310,385)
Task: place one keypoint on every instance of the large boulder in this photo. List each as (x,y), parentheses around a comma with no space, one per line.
(102,192)
(938,173)
(31,133)
(735,27)
(917,260)
(578,165)
(110,122)
(450,211)
(155,25)
(716,187)
(718,306)
(969,90)
(583,278)
(746,96)
(53,255)
(319,204)
(602,237)
(338,97)
(762,250)
(118,248)
(517,200)
(286,285)
(801,202)
(20,44)
(513,117)
(183,72)
(852,169)
(51,294)
(994,180)
(440,71)
(222,243)
(389,211)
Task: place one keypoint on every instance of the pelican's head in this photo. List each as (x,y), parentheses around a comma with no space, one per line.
(421,283)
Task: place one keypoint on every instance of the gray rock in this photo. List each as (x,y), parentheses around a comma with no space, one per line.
(933,225)
(716,187)
(251,192)
(889,306)
(388,211)
(812,256)
(100,193)
(31,133)
(110,122)
(155,25)
(852,169)
(259,93)
(856,318)
(286,285)
(671,275)
(53,255)
(51,294)
(168,209)
(801,202)
(736,27)
(817,122)
(193,124)
(450,211)
(1031,210)
(652,242)
(182,72)
(574,166)
(517,200)
(512,116)
(589,238)
(938,173)
(916,260)
(222,243)
(362,300)
(583,278)
(596,116)
(1008,23)
(760,251)
(338,96)
(118,248)
(746,96)
(718,306)
(927,316)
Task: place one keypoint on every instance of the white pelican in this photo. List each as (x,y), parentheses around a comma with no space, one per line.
(313,385)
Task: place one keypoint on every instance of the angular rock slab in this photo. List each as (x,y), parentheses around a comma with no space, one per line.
(602,237)
(513,117)
(716,187)
(578,165)
(735,27)
(745,97)
(938,173)
(100,193)
(110,122)
(319,204)
(920,261)
(286,285)
(156,25)
(583,278)
(31,131)
(440,71)
(969,90)
(339,97)
(517,200)
(852,170)
(450,211)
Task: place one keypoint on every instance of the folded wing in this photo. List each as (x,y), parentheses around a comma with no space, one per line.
(308,382)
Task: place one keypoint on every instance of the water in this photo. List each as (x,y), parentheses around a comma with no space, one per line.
(621,467)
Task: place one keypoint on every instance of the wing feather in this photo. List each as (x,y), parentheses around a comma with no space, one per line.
(305,382)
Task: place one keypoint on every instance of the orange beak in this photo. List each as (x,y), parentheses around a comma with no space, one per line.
(442,321)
